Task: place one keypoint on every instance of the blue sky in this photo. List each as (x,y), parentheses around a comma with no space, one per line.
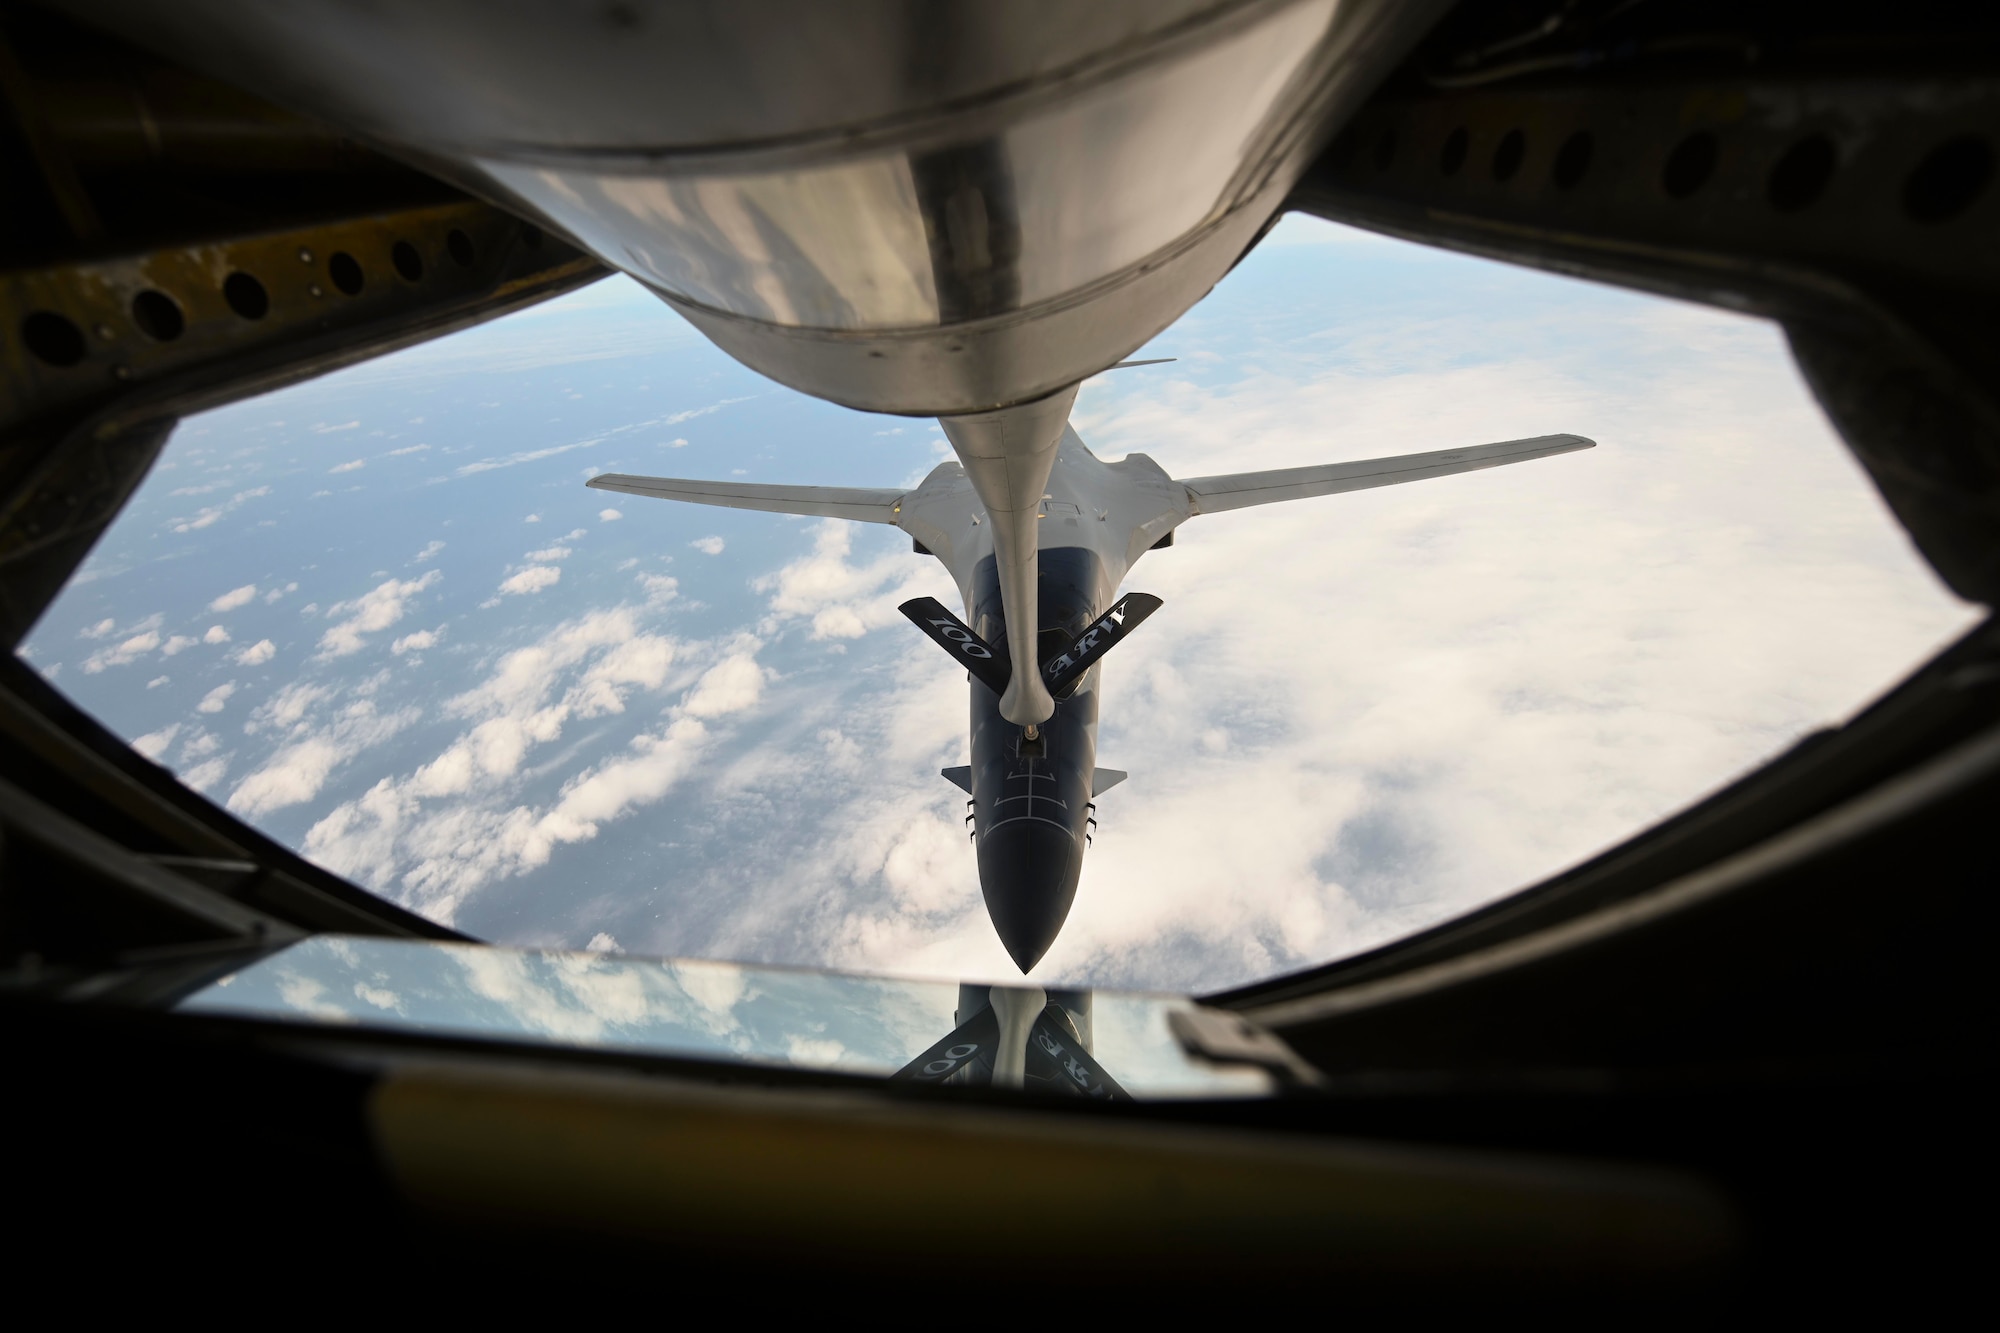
(380,615)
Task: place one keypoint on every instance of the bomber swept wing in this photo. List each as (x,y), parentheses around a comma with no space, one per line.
(1206,495)
(860,504)
(1240,490)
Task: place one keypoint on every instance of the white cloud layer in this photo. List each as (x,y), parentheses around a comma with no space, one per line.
(126,651)
(214,514)
(318,734)
(373,611)
(457,822)
(531,580)
(844,600)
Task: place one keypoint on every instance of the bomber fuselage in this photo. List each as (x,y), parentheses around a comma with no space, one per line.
(1031,796)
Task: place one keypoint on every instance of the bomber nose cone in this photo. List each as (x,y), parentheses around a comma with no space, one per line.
(1028,870)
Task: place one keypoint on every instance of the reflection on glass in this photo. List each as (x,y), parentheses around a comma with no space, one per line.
(919,1031)
(1018,1037)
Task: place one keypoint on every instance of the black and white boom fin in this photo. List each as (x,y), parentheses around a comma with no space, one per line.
(989,668)
(969,1047)
(1058,1063)
(1055,1063)
(1064,669)
(1060,672)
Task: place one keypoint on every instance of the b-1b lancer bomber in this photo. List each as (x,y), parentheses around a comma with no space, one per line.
(1051,553)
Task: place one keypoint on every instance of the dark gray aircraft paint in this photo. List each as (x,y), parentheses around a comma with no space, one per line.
(1031,811)
(1032,786)
(1031,798)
